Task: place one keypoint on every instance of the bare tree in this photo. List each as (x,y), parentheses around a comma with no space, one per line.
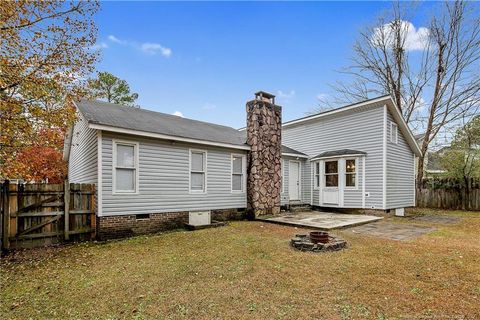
(431,73)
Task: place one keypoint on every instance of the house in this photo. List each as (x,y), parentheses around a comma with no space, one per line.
(152,170)
(432,166)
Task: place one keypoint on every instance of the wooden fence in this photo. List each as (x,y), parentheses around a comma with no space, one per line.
(443,193)
(42,214)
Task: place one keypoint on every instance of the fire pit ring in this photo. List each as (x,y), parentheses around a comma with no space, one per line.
(317,241)
(319,237)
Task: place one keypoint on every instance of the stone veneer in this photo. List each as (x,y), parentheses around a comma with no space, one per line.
(122,226)
(264,123)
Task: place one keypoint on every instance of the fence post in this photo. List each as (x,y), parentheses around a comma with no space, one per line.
(6,215)
(66,204)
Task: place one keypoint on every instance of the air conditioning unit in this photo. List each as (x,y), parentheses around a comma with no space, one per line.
(199,218)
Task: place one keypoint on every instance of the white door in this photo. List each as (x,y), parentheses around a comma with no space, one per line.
(330,190)
(294,180)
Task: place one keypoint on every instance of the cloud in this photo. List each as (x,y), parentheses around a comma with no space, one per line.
(154,48)
(415,39)
(99,46)
(209,106)
(322,96)
(286,95)
(150,48)
(115,39)
(178,114)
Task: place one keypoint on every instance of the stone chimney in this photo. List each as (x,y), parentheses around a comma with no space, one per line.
(264,127)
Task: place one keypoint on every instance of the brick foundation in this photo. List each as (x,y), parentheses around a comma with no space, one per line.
(114,227)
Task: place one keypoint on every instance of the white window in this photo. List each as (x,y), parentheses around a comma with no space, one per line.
(331,173)
(198,168)
(350,173)
(317,174)
(393,132)
(125,167)
(238,173)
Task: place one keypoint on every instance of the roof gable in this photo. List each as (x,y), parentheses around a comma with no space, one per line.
(375,102)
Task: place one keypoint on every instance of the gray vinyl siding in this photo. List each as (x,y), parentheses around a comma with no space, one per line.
(359,130)
(306,182)
(304,179)
(82,167)
(400,171)
(164,179)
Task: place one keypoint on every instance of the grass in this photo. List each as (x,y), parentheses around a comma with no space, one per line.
(247,270)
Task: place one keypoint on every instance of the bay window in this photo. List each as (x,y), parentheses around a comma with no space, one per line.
(350,173)
(331,173)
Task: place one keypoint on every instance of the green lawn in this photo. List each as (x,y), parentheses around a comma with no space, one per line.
(248,270)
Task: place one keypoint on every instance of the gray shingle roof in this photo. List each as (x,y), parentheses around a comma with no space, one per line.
(286,149)
(156,122)
(342,152)
(118,116)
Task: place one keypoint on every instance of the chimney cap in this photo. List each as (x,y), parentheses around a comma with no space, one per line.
(265,96)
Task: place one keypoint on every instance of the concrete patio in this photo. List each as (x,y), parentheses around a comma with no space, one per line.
(321,220)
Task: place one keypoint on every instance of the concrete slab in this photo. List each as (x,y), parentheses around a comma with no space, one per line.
(321,220)
(393,231)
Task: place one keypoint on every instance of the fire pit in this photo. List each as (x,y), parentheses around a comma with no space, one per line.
(317,241)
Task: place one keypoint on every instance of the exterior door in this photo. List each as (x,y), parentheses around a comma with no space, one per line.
(330,190)
(294,180)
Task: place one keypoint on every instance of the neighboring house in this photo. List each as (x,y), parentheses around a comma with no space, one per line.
(153,169)
(432,161)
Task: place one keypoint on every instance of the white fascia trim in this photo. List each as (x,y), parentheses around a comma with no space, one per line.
(384,159)
(340,156)
(165,136)
(295,155)
(67,143)
(357,105)
(99,173)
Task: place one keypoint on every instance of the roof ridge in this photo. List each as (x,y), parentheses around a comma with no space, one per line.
(335,109)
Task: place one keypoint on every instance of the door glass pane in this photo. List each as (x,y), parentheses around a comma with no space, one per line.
(197,161)
(237,182)
(124,180)
(331,166)
(237,165)
(331,180)
(125,155)
(197,181)
(350,166)
(350,180)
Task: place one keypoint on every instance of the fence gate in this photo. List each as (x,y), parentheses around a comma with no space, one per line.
(43,214)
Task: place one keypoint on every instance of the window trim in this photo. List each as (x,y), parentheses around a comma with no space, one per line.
(244,171)
(337,173)
(393,125)
(136,166)
(315,174)
(205,166)
(356,174)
